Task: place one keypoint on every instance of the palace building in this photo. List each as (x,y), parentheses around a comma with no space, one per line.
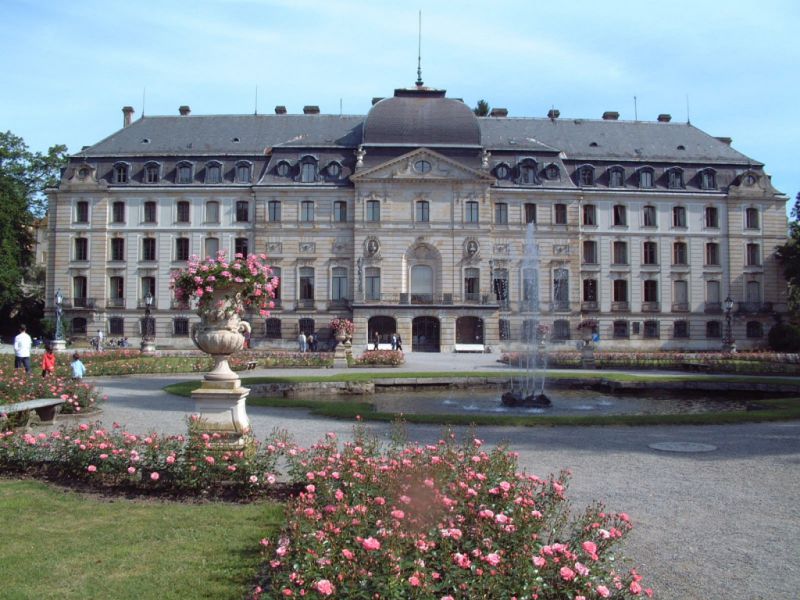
(412,219)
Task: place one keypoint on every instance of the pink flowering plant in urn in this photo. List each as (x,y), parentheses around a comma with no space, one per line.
(223,290)
(342,326)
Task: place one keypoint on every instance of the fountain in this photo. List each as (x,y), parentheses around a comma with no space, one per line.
(528,389)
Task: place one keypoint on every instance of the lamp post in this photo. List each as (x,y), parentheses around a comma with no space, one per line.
(148,330)
(728,343)
(59,343)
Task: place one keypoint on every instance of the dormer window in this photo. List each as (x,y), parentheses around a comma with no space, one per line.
(616,177)
(243,172)
(283,169)
(121,173)
(552,172)
(527,172)
(646,178)
(586,175)
(502,171)
(708,179)
(334,170)
(750,179)
(184,173)
(308,170)
(213,172)
(152,173)
(675,179)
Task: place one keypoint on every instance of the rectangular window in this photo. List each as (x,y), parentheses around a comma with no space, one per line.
(645,178)
(501,213)
(373,283)
(81,249)
(675,179)
(621,330)
(240,246)
(649,216)
(713,329)
(213,174)
(712,218)
(184,174)
(149,212)
(82,212)
(751,218)
(620,290)
(340,211)
(712,254)
(272,329)
(180,326)
(116,326)
(471,285)
(680,298)
(620,216)
(121,174)
(242,211)
(149,249)
(679,253)
(590,252)
(117,248)
(117,289)
(530,213)
(650,290)
(589,215)
(620,253)
(590,290)
(306,283)
(422,211)
(307,211)
(753,255)
(151,174)
(118,212)
(373,211)
(148,287)
(183,212)
(471,212)
(500,287)
(560,214)
(681,329)
(339,284)
(274,211)
(679,216)
(212,212)
(650,253)
(243,173)
(651,329)
(212,247)
(181,248)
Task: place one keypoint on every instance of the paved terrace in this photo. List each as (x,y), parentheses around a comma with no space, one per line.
(720,524)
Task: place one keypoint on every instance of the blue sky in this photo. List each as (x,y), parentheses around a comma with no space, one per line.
(69,67)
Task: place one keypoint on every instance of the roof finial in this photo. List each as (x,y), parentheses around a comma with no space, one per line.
(420,83)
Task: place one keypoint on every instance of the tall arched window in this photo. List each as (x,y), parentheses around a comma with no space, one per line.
(561,289)
(308,171)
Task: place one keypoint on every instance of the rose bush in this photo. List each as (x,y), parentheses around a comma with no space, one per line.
(380,358)
(18,386)
(438,521)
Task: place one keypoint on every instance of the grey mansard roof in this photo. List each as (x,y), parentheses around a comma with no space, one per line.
(411,121)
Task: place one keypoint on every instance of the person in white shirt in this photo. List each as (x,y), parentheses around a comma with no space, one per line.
(22,350)
(100,340)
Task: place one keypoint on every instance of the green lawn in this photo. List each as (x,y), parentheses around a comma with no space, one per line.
(61,544)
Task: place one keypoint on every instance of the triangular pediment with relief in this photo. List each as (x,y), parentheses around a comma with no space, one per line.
(421,165)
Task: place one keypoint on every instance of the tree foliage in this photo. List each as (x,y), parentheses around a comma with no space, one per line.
(482,108)
(24,175)
(789,257)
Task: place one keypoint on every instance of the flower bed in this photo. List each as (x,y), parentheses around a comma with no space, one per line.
(439,521)
(380,358)
(17,386)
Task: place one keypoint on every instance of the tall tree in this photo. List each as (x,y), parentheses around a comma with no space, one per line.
(789,257)
(482,108)
(24,175)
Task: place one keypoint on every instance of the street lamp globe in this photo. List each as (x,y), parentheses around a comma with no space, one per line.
(728,304)
(148,299)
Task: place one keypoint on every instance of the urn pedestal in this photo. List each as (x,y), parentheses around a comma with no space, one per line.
(339,354)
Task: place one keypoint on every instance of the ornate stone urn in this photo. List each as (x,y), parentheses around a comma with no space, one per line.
(220,400)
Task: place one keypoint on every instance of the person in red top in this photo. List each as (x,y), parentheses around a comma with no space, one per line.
(48,361)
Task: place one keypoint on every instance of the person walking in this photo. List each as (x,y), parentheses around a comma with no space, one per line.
(376,340)
(394,341)
(399,343)
(311,342)
(78,368)
(48,361)
(301,341)
(100,340)
(22,349)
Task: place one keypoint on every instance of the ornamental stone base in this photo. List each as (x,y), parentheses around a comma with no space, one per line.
(220,409)
(59,345)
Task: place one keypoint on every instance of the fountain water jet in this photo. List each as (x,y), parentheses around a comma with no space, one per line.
(528,389)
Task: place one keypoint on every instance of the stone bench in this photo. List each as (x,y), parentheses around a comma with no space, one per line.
(44,407)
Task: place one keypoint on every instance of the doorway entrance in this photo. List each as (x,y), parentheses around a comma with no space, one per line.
(425,334)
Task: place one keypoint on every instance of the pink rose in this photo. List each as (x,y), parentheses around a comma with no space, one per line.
(635,588)
(414,581)
(154,476)
(539,561)
(398,514)
(324,587)
(91,468)
(131,470)
(347,554)
(567,574)
(602,591)
(371,543)
(493,559)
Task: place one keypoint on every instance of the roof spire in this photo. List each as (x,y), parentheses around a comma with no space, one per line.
(420,83)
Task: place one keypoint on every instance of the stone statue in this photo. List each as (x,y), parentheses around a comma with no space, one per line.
(485,160)
(360,154)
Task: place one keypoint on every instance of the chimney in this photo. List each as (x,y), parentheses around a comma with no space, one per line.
(184,110)
(664,118)
(725,140)
(280,110)
(610,115)
(127,112)
(376,99)
(499,112)
(553,113)
(310,109)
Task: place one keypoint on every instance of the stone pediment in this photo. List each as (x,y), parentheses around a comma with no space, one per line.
(422,165)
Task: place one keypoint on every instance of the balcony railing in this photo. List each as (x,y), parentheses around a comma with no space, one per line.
(140,303)
(81,302)
(753,308)
(339,304)
(680,307)
(560,306)
(591,306)
(305,303)
(115,302)
(620,307)
(651,307)
(179,304)
(713,308)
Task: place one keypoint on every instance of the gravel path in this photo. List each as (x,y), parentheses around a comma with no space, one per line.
(720,524)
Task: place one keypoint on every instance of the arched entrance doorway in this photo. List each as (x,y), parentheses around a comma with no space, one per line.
(469,330)
(384,326)
(425,334)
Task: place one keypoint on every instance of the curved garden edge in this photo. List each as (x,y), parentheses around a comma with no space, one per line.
(779,409)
